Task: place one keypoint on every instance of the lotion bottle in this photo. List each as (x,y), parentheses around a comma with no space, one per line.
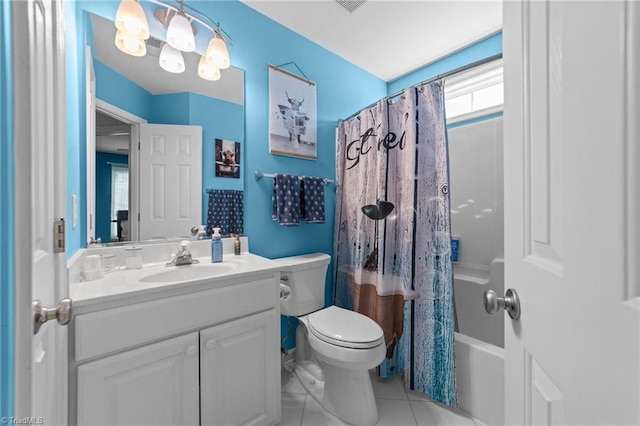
(216,246)
(236,245)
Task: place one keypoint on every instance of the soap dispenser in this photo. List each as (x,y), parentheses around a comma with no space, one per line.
(216,246)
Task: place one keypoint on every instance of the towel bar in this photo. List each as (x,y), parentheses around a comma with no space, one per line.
(259,175)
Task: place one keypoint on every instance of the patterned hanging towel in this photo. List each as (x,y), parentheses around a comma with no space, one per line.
(312,199)
(286,199)
(225,211)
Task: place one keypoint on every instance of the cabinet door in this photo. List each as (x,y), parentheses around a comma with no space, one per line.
(153,385)
(240,372)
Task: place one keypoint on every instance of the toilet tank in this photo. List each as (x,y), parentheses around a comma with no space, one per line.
(305,275)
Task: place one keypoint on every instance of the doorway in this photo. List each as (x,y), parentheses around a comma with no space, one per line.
(113,143)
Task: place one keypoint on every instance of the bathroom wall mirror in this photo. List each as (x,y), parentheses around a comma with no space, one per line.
(133,92)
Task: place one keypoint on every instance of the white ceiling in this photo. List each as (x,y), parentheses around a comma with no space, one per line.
(384,37)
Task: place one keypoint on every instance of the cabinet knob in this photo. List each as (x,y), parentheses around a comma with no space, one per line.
(191,350)
(210,344)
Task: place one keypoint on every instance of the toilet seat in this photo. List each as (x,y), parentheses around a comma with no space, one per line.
(344,328)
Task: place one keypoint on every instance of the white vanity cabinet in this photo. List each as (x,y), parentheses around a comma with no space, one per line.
(202,354)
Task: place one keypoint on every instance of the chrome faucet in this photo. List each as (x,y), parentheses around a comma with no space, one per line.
(95,241)
(183,256)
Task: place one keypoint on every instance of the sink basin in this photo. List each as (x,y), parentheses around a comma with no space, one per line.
(190,272)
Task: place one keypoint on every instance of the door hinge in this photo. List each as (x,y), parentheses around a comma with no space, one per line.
(58,236)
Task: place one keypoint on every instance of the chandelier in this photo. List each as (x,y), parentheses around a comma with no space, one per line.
(180,24)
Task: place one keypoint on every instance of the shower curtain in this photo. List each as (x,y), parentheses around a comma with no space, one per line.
(392,234)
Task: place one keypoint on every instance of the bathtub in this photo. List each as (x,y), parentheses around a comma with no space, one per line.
(480,379)
(479,344)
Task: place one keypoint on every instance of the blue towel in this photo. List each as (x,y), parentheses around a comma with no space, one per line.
(312,199)
(286,199)
(225,211)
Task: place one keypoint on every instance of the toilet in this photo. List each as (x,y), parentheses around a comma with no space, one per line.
(335,347)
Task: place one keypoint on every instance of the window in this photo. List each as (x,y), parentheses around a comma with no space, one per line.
(119,196)
(474,93)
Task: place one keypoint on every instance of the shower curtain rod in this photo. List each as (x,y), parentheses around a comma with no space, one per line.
(432,79)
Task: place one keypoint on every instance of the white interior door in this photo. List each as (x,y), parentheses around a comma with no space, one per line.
(40,116)
(571,212)
(170,180)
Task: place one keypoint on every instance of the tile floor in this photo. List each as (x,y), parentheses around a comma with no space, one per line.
(396,407)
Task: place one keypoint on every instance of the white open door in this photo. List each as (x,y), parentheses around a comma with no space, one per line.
(572,189)
(40,116)
(170,180)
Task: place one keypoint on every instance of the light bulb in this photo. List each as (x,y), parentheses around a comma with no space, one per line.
(130,19)
(208,71)
(171,60)
(217,54)
(180,34)
(130,45)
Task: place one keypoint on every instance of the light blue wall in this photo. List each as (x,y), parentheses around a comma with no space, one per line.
(480,50)
(117,90)
(219,120)
(76,133)
(6,213)
(171,109)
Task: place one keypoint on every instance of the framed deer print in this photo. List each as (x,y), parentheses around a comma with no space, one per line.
(292,115)
(227,159)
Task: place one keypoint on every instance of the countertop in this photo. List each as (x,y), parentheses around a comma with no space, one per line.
(127,287)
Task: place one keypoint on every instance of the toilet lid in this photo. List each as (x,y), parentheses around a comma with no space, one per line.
(345,328)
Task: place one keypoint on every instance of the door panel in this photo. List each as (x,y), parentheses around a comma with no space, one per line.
(238,372)
(544,401)
(153,385)
(574,355)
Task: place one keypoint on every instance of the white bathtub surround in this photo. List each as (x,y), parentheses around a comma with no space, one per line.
(477,217)
(477,193)
(469,285)
(480,379)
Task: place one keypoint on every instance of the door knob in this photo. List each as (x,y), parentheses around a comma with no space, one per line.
(63,313)
(510,303)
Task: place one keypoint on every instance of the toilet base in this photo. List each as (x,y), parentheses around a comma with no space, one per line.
(347,394)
